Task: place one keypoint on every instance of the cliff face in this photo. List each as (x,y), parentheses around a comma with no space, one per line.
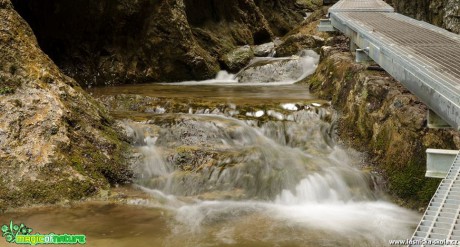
(283,15)
(56,142)
(124,41)
(452,16)
(118,41)
(443,13)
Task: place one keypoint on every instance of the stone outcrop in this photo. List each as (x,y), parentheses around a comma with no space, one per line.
(56,142)
(443,13)
(451,20)
(284,15)
(124,41)
(238,58)
(296,43)
(379,116)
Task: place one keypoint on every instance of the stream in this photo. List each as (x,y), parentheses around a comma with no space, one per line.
(241,160)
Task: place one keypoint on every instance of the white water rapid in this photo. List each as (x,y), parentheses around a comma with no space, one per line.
(282,183)
(267,70)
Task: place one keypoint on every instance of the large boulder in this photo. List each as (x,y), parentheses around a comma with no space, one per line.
(56,142)
(264,50)
(238,58)
(220,26)
(298,42)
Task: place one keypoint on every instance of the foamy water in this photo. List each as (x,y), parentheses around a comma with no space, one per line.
(272,177)
(266,71)
(332,198)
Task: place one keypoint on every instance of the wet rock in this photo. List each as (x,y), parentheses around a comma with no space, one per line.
(238,58)
(264,50)
(288,69)
(220,26)
(415,9)
(298,42)
(56,142)
(218,155)
(119,41)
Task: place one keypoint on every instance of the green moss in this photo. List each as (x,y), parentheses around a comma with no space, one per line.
(311,4)
(349,75)
(398,153)
(407,182)
(314,81)
(410,184)
(99,167)
(428,189)
(51,190)
(382,141)
(6,90)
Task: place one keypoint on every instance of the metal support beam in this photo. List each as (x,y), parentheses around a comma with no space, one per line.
(325,25)
(353,46)
(435,121)
(361,56)
(438,162)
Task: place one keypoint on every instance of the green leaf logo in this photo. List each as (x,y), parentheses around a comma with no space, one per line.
(10,232)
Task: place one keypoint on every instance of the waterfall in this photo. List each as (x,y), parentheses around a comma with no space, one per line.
(267,70)
(290,173)
(236,161)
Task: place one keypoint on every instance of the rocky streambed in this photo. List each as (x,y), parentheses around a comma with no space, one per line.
(238,164)
(240,160)
(271,174)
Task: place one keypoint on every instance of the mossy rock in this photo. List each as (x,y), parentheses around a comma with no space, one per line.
(293,44)
(238,58)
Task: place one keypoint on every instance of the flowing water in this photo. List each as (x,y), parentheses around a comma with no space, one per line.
(219,163)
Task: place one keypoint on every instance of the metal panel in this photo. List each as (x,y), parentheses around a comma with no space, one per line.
(412,61)
(439,161)
(440,219)
(361,5)
(435,122)
(325,26)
